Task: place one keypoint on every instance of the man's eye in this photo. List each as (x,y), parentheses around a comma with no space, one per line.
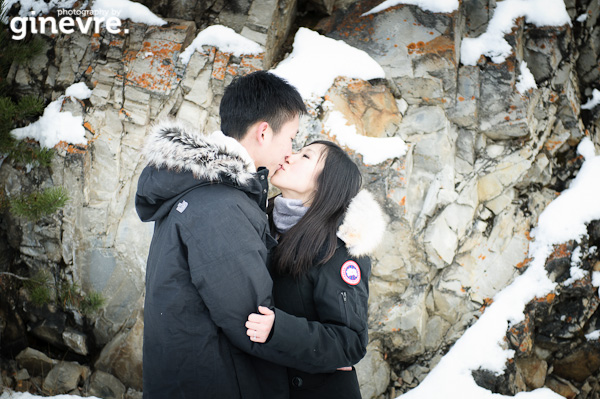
(306,156)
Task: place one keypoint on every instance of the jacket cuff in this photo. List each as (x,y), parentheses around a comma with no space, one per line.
(283,332)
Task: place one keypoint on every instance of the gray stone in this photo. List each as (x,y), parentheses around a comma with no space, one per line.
(22,374)
(435,333)
(423,120)
(373,372)
(106,386)
(64,377)
(533,371)
(75,340)
(122,356)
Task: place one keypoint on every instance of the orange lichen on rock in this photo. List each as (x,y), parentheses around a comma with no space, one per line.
(548,298)
(524,263)
(486,302)
(441,45)
(551,145)
(71,149)
(88,127)
(220,65)
(162,73)
(560,251)
(252,62)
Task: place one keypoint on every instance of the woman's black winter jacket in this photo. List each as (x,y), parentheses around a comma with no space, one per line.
(336,292)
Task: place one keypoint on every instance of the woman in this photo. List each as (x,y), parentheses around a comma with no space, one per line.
(324,227)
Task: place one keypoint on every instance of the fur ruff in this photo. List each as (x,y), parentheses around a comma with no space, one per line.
(364,225)
(176,146)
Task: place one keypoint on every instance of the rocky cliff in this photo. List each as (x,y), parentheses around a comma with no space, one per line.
(483,161)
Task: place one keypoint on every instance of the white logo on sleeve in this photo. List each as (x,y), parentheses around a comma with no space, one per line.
(181,206)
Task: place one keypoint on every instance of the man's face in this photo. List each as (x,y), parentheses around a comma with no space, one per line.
(279,146)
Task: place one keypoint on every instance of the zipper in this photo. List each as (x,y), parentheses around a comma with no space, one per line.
(344,306)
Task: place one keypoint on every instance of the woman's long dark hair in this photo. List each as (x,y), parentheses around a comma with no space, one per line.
(313,240)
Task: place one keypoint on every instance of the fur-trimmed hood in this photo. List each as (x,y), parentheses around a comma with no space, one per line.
(363,226)
(175,146)
(180,158)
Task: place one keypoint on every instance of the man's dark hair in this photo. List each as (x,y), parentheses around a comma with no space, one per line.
(258,96)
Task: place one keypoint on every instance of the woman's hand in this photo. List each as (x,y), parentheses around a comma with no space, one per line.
(259,325)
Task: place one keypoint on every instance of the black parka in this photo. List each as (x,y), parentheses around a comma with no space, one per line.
(206,273)
(336,292)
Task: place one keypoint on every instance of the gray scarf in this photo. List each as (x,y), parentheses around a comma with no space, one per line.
(287,212)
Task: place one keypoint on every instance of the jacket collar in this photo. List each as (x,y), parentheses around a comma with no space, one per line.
(215,157)
(364,225)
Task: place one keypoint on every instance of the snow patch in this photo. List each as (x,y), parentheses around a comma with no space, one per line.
(55,126)
(442,6)
(492,42)
(317,60)
(126,9)
(526,79)
(374,150)
(592,102)
(226,39)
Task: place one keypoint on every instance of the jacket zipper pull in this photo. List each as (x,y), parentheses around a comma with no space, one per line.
(344,296)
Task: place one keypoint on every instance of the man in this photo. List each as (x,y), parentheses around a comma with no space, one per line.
(206,267)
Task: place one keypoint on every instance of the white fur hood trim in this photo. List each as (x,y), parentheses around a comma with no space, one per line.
(177,146)
(364,225)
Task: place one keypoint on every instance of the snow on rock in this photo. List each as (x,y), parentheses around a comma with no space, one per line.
(35,7)
(373,149)
(442,6)
(226,39)
(26,395)
(492,42)
(317,60)
(564,219)
(592,102)
(126,9)
(526,79)
(78,90)
(55,126)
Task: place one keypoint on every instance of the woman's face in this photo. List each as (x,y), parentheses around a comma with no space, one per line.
(297,177)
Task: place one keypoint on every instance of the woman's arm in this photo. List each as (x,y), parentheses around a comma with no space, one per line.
(340,336)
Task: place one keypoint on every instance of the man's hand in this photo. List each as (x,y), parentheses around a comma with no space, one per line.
(259,325)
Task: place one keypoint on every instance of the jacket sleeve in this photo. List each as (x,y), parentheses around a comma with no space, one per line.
(226,256)
(340,336)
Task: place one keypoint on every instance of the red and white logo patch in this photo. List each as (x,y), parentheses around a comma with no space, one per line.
(350,272)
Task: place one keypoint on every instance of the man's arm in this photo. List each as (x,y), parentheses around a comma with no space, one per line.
(228,268)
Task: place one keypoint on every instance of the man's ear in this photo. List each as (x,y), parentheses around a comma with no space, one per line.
(262,132)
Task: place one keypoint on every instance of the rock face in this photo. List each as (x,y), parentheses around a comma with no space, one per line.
(553,346)
(483,162)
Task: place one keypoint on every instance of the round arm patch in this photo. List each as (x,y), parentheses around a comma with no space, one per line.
(350,272)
